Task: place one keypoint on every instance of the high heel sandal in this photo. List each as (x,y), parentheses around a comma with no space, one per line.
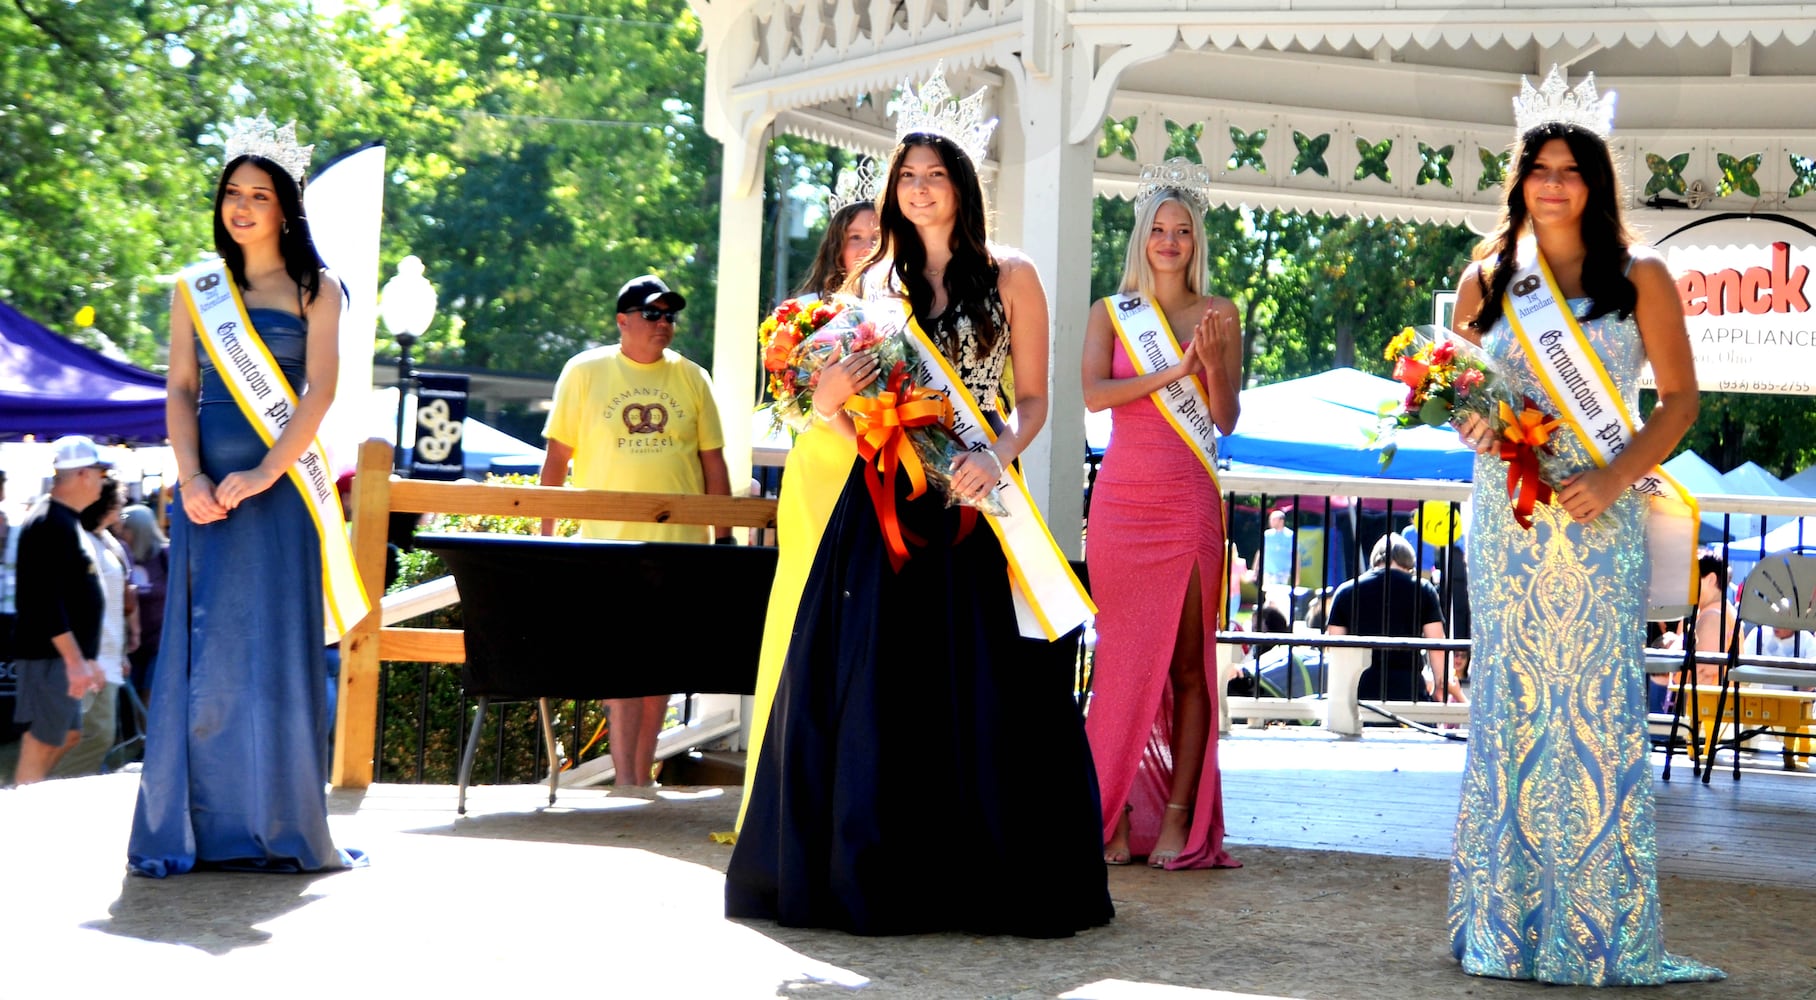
(1160,859)
(1123,856)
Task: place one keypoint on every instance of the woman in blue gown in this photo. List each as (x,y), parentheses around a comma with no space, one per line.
(1553,876)
(236,750)
(925,766)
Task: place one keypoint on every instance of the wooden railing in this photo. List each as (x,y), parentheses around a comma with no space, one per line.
(377,494)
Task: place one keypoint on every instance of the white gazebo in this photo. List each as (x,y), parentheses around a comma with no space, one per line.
(1377,108)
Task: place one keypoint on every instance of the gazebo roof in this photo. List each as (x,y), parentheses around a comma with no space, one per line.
(1362,107)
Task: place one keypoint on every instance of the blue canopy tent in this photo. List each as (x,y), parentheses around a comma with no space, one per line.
(1321,423)
(50,386)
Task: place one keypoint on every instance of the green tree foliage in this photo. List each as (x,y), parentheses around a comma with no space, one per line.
(547,154)
(1315,291)
(109,126)
(1732,428)
(540,155)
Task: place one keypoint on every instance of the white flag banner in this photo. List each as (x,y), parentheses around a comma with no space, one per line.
(345,203)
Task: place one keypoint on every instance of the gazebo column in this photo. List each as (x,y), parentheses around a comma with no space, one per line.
(1043,202)
(735,316)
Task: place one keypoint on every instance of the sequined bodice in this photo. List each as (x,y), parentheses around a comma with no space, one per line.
(957,337)
(954,333)
(1616,341)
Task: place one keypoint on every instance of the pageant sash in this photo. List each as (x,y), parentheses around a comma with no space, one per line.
(1049,599)
(1151,347)
(264,397)
(1586,399)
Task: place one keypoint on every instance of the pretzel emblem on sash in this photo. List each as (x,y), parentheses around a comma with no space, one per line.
(640,418)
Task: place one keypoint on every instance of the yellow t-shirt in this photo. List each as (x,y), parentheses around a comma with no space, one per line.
(639,428)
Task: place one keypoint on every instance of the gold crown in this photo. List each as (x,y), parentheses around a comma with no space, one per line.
(1192,181)
(856,184)
(258,137)
(1555,102)
(934,110)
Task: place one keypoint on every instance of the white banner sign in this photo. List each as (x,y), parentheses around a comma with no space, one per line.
(1746,291)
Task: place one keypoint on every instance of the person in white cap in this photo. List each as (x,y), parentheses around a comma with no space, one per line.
(58,628)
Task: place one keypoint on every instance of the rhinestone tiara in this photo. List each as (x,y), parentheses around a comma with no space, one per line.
(1191,180)
(1554,101)
(936,111)
(258,137)
(856,184)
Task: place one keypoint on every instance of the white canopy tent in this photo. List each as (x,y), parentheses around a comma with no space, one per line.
(1363,107)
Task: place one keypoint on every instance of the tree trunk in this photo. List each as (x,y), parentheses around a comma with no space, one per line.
(1345,343)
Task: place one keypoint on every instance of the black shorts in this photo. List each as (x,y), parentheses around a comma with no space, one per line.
(44,704)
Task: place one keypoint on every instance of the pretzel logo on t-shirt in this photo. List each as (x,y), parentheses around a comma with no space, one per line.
(640,418)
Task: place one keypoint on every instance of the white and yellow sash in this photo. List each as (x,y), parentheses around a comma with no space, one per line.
(1151,347)
(264,397)
(1049,599)
(1583,394)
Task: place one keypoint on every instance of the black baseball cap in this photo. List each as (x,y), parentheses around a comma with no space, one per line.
(648,290)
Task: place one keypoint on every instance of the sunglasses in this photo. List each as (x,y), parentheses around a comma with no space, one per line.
(658,315)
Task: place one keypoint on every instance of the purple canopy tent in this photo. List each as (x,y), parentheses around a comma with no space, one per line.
(50,386)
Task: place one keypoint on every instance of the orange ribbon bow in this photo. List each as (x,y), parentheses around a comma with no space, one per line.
(882,423)
(1522,434)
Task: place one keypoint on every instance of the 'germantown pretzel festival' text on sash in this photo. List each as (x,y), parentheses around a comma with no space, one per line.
(1151,347)
(1579,386)
(1049,599)
(265,398)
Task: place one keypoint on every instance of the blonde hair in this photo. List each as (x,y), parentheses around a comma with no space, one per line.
(1137,273)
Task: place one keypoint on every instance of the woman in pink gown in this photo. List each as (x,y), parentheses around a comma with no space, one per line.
(1155,542)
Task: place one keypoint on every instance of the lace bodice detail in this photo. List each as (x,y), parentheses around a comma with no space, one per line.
(956,336)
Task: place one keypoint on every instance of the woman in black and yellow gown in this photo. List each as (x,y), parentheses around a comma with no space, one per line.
(818,463)
(925,766)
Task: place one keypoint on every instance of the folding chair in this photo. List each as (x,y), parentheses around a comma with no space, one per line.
(1779,593)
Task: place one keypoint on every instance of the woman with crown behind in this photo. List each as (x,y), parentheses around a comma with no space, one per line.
(1157,535)
(236,752)
(820,459)
(1553,875)
(925,767)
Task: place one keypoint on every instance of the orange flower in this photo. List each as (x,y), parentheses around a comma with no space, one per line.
(775,358)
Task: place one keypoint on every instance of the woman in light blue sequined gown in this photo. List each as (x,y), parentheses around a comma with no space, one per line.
(1553,873)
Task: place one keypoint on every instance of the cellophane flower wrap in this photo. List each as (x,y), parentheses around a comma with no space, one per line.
(894,417)
(1448,378)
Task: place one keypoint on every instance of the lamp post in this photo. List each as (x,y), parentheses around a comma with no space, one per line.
(407,305)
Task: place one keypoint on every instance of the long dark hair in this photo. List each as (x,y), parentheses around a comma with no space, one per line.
(1605,233)
(92,515)
(294,242)
(828,274)
(972,272)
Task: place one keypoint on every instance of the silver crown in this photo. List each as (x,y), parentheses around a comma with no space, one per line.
(1192,181)
(258,137)
(1554,101)
(935,110)
(856,184)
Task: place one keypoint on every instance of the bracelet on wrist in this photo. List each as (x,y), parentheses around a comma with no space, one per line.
(821,417)
(185,481)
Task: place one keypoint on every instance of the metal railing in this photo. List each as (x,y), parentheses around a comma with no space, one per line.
(1336,521)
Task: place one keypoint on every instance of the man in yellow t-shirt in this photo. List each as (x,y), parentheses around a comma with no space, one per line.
(638,417)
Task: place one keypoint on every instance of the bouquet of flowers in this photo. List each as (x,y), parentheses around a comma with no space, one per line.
(1448,378)
(901,426)
(780,333)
